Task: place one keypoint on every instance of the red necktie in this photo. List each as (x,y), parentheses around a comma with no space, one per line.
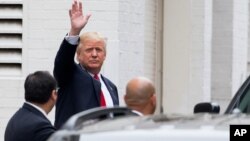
(102,100)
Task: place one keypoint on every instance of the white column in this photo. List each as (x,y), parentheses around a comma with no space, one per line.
(230,41)
(187,51)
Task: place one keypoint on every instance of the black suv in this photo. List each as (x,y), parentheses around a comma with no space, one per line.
(241,100)
(239,104)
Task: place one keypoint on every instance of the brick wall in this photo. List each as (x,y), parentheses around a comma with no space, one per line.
(229,53)
(200,53)
(46,22)
(240,43)
(150,30)
(131,41)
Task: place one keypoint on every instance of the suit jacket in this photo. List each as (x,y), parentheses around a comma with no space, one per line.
(78,90)
(28,124)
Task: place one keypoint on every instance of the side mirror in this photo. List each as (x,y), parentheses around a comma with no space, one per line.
(207,107)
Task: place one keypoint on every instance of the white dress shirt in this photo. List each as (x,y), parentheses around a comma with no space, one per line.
(105,91)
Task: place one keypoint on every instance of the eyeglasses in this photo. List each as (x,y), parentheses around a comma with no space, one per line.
(56,89)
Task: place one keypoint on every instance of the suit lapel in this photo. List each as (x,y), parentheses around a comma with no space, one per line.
(96,83)
(97,87)
(110,89)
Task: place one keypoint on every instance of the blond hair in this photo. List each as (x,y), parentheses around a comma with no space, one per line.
(92,36)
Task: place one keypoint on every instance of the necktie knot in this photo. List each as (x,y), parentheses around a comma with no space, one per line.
(96,76)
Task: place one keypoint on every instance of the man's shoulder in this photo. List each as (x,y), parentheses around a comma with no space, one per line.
(25,118)
(31,113)
(26,125)
(108,81)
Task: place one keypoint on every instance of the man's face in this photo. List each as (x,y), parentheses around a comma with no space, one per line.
(91,55)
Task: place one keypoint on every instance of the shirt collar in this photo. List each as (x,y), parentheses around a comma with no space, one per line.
(99,75)
(38,108)
(137,112)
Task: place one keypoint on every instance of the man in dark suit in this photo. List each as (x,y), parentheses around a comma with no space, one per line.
(30,122)
(81,86)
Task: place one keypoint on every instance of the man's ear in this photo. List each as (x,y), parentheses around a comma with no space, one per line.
(124,98)
(78,56)
(78,51)
(54,95)
(153,99)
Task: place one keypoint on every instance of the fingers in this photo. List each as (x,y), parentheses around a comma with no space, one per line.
(70,13)
(87,17)
(80,6)
(75,6)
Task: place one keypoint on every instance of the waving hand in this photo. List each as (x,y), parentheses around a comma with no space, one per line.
(77,18)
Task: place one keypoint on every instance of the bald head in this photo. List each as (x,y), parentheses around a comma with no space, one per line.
(140,95)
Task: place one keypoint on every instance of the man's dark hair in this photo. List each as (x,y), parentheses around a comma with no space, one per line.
(39,86)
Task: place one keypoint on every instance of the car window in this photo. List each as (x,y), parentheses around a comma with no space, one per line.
(244,105)
(241,100)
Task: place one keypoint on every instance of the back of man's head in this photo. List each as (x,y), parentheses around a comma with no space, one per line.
(140,95)
(38,87)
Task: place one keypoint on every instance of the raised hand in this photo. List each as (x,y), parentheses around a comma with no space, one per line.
(77,19)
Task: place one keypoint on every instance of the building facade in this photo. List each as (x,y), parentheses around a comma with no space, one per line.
(192,50)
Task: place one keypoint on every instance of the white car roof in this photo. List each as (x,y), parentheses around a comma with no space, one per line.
(205,127)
